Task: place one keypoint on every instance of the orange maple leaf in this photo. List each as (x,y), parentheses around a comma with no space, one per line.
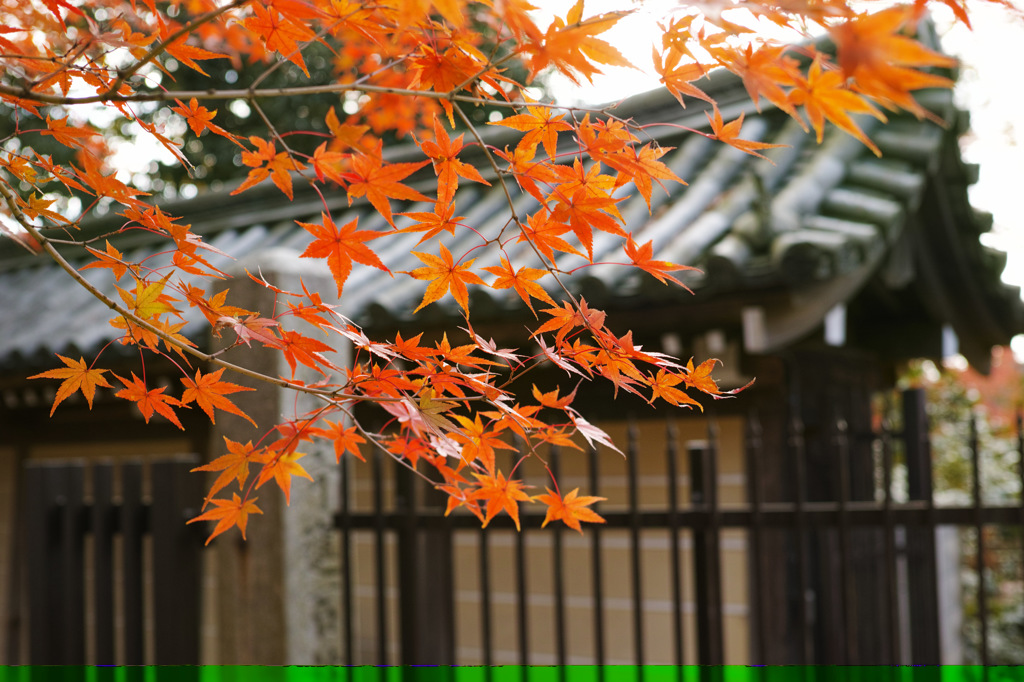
(76,377)
(150,401)
(445,274)
(663,386)
(345,439)
(267,162)
(824,95)
(233,466)
(879,60)
(281,469)
(341,246)
(570,509)
(229,513)
(280,34)
(541,125)
(571,46)
(522,280)
(729,134)
(443,218)
(378,181)
(501,494)
(677,77)
(643,258)
(442,151)
(111,258)
(208,392)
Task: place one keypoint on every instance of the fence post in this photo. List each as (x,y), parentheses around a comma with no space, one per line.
(921,557)
(426,592)
(176,562)
(706,557)
(55,553)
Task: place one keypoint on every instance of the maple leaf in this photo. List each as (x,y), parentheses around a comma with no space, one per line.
(544,233)
(541,124)
(267,162)
(592,433)
(571,46)
(341,246)
(445,276)
(234,466)
(571,509)
(729,134)
(281,469)
(522,280)
(377,181)
(280,34)
(442,218)
(150,401)
(185,53)
(442,151)
(823,94)
(642,257)
(663,386)
(700,377)
(303,349)
(149,299)
(253,328)
(327,164)
(877,59)
(113,259)
(677,77)
(208,392)
(551,399)
(199,118)
(763,72)
(501,494)
(345,439)
(228,514)
(76,377)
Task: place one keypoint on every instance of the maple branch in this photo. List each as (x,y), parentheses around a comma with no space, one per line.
(157,50)
(167,338)
(511,204)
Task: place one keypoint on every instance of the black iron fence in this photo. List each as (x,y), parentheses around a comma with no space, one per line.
(849,580)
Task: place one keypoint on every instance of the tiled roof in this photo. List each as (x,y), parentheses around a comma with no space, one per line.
(810,217)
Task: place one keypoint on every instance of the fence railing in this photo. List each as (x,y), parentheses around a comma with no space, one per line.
(844,580)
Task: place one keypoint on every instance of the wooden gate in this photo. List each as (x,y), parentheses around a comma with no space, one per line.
(104,569)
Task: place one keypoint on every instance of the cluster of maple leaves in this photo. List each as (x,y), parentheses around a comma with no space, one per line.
(408,67)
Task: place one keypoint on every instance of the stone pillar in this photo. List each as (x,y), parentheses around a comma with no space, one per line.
(277,596)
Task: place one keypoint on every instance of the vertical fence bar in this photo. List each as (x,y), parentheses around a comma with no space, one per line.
(597,574)
(923,589)
(848,596)
(523,610)
(132,528)
(345,521)
(379,559)
(39,546)
(176,564)
(979,529)
(632,455)
(891,583)
(558,578)
(1020,474)
(676,577)
(486,639)
(72,564)
(103,564)
(805,616)
(755,534)
(706,549)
